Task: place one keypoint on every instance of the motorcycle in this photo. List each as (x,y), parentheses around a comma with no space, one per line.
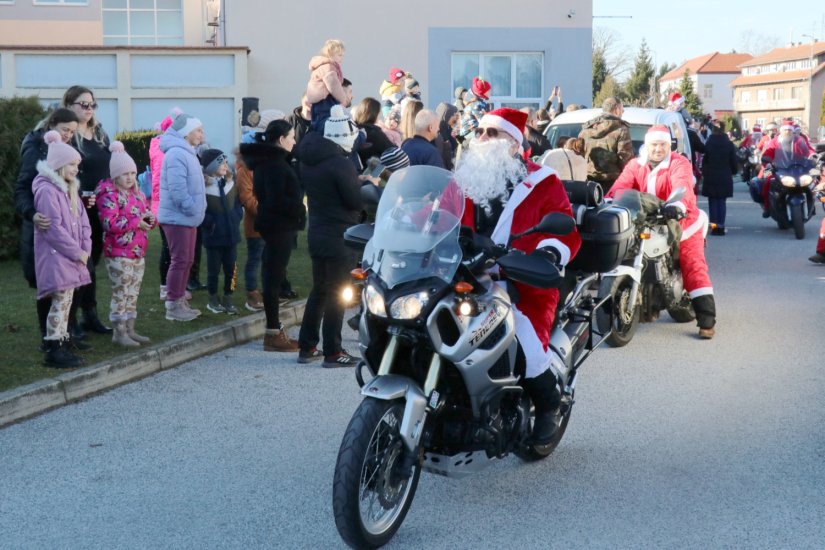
(438,338)
(791,196)
(649,279)
(749,159)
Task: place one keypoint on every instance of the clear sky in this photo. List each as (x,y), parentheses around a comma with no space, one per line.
(679,30)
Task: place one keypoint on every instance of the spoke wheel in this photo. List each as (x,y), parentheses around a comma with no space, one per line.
(369,497)
(625,315)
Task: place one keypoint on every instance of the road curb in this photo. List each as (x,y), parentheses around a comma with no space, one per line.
(44,395)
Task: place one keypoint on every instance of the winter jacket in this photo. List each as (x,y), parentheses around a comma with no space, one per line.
(243,179)
(94,164)
(394,136)
(32,150)
(277,189)
(718,167)
(182,193)
(333,195)
(376,143)
(58,250)
(299,123)
(222,220)
(120,215)
(420,151)
(155,165)
(326,79)
(607,147)
(539,144)
(781,160)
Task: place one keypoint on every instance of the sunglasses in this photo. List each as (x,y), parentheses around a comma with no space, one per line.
(85,105)
(491,132)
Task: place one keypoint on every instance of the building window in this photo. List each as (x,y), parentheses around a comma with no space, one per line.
(796,92)
(778,93)
(143,22)
(516,78)
(761,96)
(57,2)
(746,123)
(761,121)
(707,91)
(746,97)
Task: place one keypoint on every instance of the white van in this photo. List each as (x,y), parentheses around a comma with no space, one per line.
(570,124)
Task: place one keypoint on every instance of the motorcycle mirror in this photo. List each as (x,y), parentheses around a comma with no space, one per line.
(676,195)
(357,236)
(554,222)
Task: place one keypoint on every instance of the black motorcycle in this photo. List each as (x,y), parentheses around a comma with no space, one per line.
(791,196)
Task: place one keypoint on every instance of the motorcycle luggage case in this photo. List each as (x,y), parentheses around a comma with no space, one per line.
(607,234)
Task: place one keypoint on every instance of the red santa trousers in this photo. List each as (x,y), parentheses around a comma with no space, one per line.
(694,266)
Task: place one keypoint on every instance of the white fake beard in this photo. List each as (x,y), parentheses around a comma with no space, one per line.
(786,142)
(485,168)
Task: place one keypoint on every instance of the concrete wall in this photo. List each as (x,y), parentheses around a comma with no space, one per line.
(418,38)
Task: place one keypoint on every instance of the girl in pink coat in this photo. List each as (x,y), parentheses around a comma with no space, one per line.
(126,218)
(326,83)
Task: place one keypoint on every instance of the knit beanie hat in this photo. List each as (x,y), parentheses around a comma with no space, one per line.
(396,74)
(211,160)
(60,154)
(340,129)
(394,158)
(410,83)
(184,124)
(268,116)
(120,162)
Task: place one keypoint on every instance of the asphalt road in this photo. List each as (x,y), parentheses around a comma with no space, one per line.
(673,442)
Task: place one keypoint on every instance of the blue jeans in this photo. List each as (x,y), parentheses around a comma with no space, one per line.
(254,250)
(717,210)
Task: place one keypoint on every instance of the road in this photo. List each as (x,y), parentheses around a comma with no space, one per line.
(673,442)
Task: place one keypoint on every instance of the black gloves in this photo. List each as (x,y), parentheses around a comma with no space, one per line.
(673,212)
(551,253)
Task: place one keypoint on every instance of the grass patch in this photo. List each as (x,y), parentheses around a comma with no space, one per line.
(20,337)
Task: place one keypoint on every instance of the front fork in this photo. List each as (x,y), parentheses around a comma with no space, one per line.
(637,267)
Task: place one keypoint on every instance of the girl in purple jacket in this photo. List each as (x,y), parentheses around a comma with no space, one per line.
(126,218)
(61,251)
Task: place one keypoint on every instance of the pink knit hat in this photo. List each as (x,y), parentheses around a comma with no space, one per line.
(121,162)
(59,154)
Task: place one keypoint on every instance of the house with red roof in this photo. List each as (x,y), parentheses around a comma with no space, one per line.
(711,75)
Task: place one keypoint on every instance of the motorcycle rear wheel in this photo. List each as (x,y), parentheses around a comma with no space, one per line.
(369,499)
(798,221)
(625,321)
(531,453)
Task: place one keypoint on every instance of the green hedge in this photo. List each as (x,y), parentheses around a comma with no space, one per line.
(136,143)
(18,117)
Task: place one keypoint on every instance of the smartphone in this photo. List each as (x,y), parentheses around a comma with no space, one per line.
(374,171)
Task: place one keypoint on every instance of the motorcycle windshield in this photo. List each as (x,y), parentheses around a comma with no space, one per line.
(416,227)
(793,170)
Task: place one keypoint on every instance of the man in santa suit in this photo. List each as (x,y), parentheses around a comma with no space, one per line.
(752,138)
(784,152)
(659,171)
(506,195)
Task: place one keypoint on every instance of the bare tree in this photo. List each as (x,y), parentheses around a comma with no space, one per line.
(617,55)
(757,43)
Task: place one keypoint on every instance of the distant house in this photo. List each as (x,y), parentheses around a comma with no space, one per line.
(780,84)
(711,75)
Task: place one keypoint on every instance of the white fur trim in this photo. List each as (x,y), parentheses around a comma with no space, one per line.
(680,205)
(503,124)
(695,227)
(563,249)
(45,170)
(657,136)
(704,291)
(505,222)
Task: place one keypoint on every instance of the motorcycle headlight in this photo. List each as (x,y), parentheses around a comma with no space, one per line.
(788,181)
(375,302)
(347,294)
(410,306)
(805,180)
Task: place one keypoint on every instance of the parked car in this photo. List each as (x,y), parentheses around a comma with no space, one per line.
(570,124)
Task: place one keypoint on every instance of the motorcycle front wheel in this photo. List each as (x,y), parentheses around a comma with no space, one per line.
(370,496)
(798,221)
(532,453)
(625,316)
(683,311)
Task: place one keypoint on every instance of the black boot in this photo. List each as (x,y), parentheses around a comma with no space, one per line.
(543,391)
(58,355)
(91,322)
(77,334)
(77,345)
(705,308)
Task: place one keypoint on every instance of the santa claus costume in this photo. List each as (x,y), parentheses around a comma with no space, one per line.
(521,205)
(660,180)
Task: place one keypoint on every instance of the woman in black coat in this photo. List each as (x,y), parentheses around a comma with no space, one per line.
(377,141)
(718,168)
(281,214)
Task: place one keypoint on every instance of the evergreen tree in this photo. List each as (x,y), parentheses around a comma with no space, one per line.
(610,88)
(692,102)
(599,70)
(637,86)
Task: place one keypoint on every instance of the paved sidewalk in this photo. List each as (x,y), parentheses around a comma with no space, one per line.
(68,387)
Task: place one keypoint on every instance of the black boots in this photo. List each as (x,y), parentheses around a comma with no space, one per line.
(546,397)
(91,322)
(58,355)
(705,308)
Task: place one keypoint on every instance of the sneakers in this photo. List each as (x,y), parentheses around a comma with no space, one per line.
(340,359)
(228,306)
(215,305)
(706,333)
(254,301)
(718,231)
(164,293)
(279,340)
(310,356)
(179,310)
(818,258)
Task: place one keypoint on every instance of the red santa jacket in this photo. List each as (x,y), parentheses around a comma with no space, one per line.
(541,193)
(781,159)
(673,172)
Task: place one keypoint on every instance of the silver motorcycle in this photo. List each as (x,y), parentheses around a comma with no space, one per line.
(438,338)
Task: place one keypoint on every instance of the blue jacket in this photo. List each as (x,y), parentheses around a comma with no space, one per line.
(421,152)
(221,224)
(182,194)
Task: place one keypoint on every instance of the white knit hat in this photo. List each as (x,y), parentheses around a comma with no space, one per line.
(184,124)
(268,116)
(340,128)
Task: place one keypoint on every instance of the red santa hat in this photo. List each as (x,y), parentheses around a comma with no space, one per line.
(756,128)
(787,124)
(657,132)
(507,120)
(396,74)
(676,100)
(481,88)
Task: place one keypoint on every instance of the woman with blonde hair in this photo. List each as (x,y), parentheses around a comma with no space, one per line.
(326,82)
(408,112)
